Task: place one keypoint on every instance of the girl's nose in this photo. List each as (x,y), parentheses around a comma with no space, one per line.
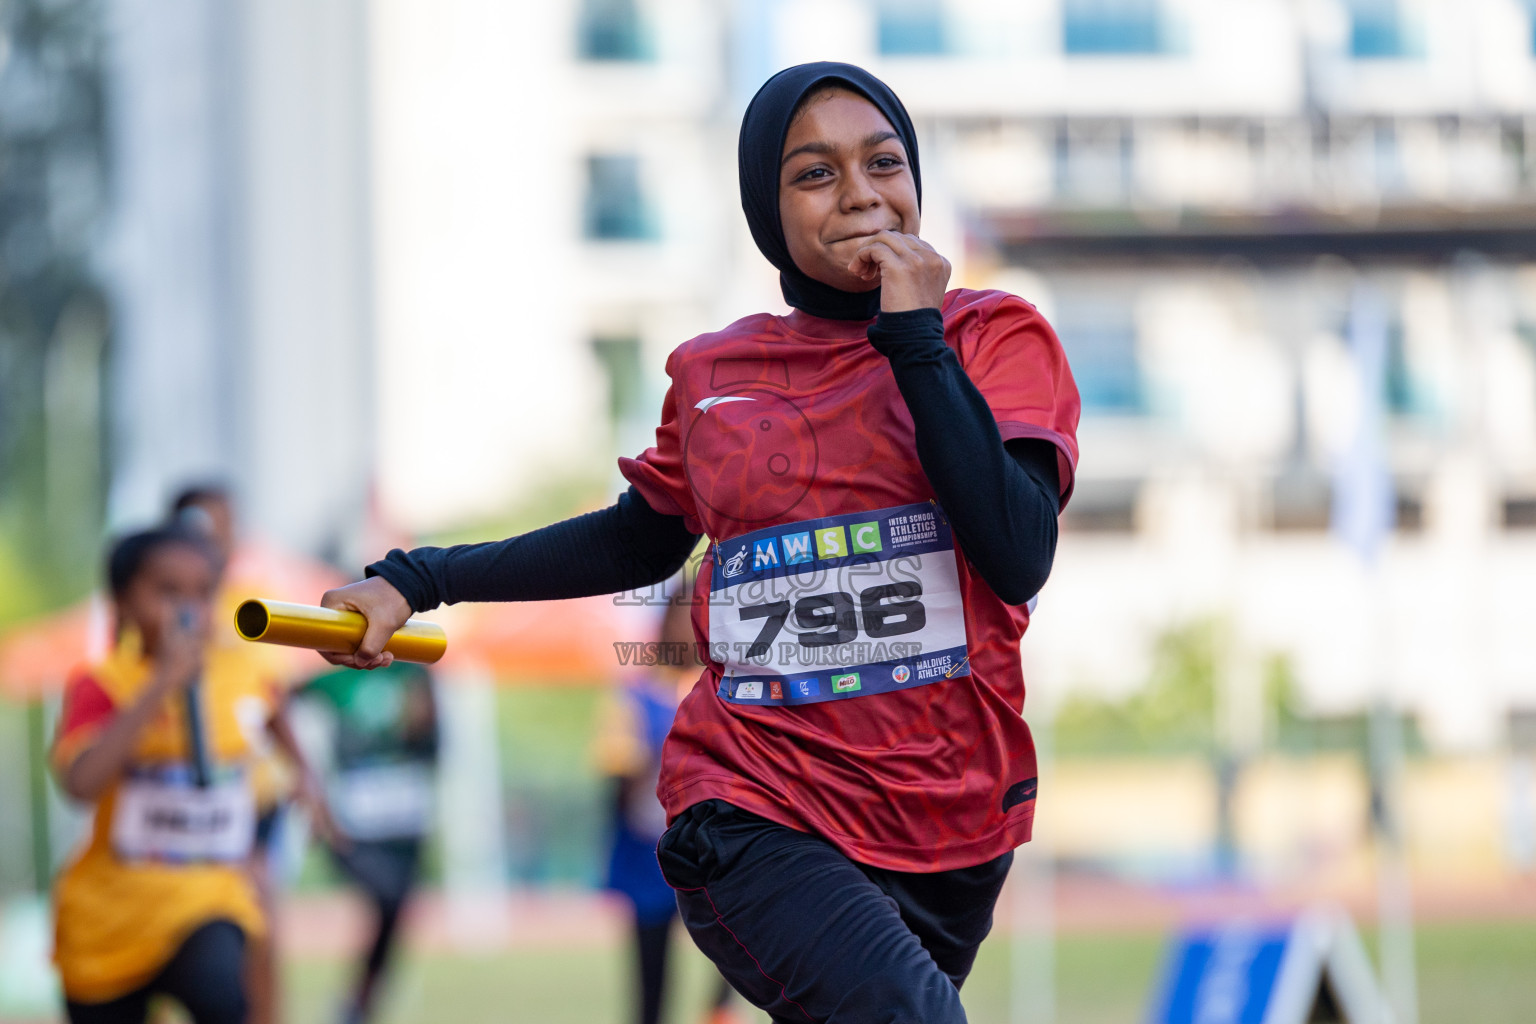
(858,192)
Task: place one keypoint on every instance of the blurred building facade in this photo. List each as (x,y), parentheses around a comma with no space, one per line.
(1196,193)
(1209,193)
(451,262)
(239,259)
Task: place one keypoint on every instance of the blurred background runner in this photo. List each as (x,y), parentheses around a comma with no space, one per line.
(279,774)
(380,764)
(159,900)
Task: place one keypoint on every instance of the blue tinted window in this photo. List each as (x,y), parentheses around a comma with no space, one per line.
(615,206)
(1112,27)
(1098,333)
(1407,391)
(911,28)
(612,30)
(1107,371)
(1378,28)
(1094,163)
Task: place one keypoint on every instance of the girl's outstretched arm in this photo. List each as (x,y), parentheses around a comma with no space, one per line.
(625,546)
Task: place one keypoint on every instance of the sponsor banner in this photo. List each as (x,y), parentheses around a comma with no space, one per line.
(843,683)
(1310,968)
(831,543)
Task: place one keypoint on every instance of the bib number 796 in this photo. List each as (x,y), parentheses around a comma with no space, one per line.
(825,620)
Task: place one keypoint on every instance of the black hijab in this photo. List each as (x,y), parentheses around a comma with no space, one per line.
(757,159)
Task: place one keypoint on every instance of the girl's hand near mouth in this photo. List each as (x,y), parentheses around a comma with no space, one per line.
(912,275)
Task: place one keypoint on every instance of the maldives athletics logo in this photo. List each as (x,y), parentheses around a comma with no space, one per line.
(901,674)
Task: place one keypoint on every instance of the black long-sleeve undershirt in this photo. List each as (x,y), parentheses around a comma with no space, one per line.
(626,546)
(1002,500)
(1003,509)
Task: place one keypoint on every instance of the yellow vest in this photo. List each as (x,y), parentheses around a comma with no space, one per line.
(119,922)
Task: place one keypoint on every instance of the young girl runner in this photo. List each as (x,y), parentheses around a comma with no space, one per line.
(278,772)
(879,473)
(159,901)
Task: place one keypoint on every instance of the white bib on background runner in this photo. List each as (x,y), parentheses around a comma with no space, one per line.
(160,815)
(384,801)
(839,607)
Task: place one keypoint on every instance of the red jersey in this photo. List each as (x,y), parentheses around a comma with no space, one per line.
(863,682)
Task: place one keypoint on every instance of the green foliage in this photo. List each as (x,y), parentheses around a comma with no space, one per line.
(1174,713)
(553,798)
(22,594)
(546,733)
(557,499)
(54,314)
(1293,731)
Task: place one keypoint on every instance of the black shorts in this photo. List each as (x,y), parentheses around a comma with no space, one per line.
(810,936)
(385,869)
(206,975)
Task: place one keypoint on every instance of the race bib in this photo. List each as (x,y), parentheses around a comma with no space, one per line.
(387,801)
(836,608)
(161,816)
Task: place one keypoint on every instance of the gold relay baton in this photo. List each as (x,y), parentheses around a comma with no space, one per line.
(333,632)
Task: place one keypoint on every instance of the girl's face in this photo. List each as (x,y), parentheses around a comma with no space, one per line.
(175,577)
(843,178)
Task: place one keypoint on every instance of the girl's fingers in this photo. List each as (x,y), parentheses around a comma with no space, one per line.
(872,257)
(889,250)
(917,243)
(353,661)
(898,247)
(893,243)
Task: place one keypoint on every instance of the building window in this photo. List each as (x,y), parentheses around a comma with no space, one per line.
(1388,159)
(1408,391)
(1112,27)
(1519,513)
(1102,506)
(626,376)
(1098,333)
(616,209)
(1409,514)
(1301,500)
(613,30)
(1379,28)
(911,28)
(1093,162)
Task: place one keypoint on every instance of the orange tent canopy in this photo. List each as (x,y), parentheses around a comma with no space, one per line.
(37,657)
(568,642)
(548,641)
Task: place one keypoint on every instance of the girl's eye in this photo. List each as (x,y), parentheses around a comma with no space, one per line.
(812,174)
(885,163)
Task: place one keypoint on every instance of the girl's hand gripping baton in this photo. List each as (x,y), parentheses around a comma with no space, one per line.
(333,632)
